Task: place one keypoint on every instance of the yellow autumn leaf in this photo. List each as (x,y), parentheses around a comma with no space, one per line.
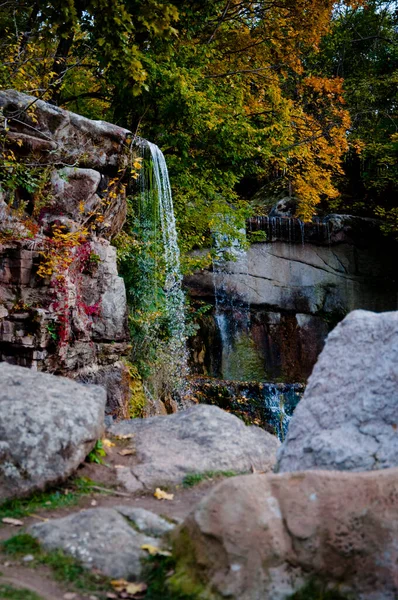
(162,495)
(126,451)
(119,584)
(154,551)
(107,443)
(136,588)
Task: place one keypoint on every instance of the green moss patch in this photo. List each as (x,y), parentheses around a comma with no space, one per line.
(9,592)
(315,590)
(193,479)
(65,568)
(60,497)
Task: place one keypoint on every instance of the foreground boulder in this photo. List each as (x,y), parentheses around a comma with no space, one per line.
(348,418)
(198,440)
(264,537)
(106,539)
(48,425)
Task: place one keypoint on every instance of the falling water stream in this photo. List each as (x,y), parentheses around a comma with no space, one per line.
(157,214)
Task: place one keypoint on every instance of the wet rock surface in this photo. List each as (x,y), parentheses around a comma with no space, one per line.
(347,419)
(264,537)
(48,425)
(197,440)
(102,538)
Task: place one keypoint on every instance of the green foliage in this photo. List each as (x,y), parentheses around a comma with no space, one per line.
(317,591)
(53,331)
(65,496)
(138,399)
(8,592)
(97,453)
(193,479)
(21,544)
(65,568)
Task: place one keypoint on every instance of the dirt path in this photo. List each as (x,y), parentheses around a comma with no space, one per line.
(39,579)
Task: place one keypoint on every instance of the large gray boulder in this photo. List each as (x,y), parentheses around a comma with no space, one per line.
(101,538)
(348,418)
(265,537)
(48,425)
(197,440)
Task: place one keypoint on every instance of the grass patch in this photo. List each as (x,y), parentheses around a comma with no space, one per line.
(193,479)
(8,592)
(65,568)
(318,591)
(60,497)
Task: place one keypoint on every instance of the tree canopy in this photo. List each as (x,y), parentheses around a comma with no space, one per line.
(292,96)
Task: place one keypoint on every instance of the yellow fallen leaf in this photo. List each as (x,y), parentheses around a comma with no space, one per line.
(107,443)
(11,521)
(126,452)
(154,551)
(136,588)
(119,584)
(162,495)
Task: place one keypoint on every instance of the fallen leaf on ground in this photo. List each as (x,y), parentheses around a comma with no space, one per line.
(127,436)
(126,452)
(154,551)
(162,495)
(136,588)
(119,584)
(37,517)
(107,443)
(11,521)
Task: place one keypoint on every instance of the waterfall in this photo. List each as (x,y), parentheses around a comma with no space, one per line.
(175,300)
(232,310)
(157,225)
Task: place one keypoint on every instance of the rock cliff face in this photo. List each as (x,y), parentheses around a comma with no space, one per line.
(276,304)
(62,304)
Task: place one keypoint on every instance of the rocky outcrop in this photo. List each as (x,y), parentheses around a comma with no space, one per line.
(48,425)
(347,419)
(276,304)
(197,440)
(62,305)
(105,539)
(264,537)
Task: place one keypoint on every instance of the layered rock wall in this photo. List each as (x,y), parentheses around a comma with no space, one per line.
(62,304)
(276,304)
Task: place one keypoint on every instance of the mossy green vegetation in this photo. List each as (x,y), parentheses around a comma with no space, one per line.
(157,576)
(60,497)
(193,479)
(65,568)
(9,592)
(315,590)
